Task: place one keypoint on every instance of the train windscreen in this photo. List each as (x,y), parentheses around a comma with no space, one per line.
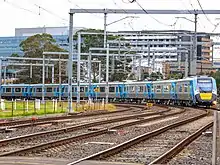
(204,85)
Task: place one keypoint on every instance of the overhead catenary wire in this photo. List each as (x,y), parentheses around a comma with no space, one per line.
(135,1)
(70,1)
(19,7)
(50,12)
(205,13)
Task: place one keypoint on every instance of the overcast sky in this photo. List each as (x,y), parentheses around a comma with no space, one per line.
(26,13)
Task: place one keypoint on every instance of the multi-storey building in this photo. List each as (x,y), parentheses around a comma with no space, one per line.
(10,45)
(165,47)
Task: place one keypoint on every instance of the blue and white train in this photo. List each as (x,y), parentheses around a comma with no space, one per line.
(199,90)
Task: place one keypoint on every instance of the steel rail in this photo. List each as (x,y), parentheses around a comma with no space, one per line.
(77,127)
(136,140)
(180,146)
(80,137)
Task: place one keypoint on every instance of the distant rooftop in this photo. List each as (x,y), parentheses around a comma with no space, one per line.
(62,30)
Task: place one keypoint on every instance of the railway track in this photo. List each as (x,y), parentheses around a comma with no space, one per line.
(80,136)
(163,159)
(48,120)
(127,144)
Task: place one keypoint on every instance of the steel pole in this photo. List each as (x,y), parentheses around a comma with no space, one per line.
(0,79)
(212,53)
(194,56)
(139,69)
(78,69)
(60,80)
(70,63)
(113,64)
(52,74)
(153,61)
(186,64)
(105,30)
(5,74)
(43,79)
(107,69)
(31,69)
(100,65)
(148,54)
(214,144)
(89,72)
(47,70)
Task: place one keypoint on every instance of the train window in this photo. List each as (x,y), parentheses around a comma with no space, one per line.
(111,89)
(186,88)
(152,89)
(102,89)
(158,88)
(86,89)
(49,89)
(82,89)
(39,90)
(17,89)
(63,90)
(166,88)
(140,89)
(131,88)
(8,90)
(145,89)
(180,88)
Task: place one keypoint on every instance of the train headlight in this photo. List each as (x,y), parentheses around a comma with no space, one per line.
(214,102)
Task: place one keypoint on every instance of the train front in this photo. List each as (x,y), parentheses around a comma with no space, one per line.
(206,91)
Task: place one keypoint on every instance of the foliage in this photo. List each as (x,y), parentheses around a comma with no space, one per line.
(14,55)
(216,76)
(175,76)
(156,75)
(33,47)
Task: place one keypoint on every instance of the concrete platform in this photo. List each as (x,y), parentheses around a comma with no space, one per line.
(52,161)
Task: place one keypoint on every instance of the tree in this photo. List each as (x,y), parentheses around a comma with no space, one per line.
(14,55)
(34,46)
(156,75)
(216,76)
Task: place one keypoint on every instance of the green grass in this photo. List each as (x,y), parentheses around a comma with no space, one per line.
(21,108)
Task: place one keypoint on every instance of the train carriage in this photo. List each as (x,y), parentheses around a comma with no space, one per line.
(199,90)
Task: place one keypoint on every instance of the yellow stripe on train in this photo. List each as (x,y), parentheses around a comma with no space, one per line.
(206,96)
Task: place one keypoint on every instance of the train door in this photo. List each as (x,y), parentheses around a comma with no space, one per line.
(191,90)
(55,92)
(149,91)
(120,90)
(173,91)
(30,91)
(13,92)
(91,91)
(25,91)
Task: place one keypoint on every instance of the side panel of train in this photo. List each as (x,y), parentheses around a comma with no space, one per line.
(199,90)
